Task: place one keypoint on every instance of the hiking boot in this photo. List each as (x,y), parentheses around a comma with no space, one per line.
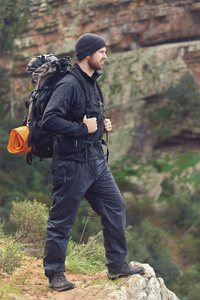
(126,269)
(60,283)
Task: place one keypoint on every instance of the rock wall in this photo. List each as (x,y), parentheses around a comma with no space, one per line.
(54,26)
(132,83)
(151,45)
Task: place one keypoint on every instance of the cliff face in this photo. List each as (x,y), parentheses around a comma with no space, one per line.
(54,26)
(133,84)
(156,43)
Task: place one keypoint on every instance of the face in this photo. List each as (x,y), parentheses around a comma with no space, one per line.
(96,60)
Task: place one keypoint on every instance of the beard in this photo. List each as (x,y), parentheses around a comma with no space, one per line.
(95,65)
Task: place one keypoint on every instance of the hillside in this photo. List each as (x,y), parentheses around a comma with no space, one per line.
(30,283)
(151,85)
(150,49)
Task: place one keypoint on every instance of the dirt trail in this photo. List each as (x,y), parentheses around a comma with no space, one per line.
(30,282)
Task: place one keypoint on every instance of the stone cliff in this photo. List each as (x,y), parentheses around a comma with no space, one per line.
(133,84)
(144,287)
(157,43)
(152,45)
(54,26)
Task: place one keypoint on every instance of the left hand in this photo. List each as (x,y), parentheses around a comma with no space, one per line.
(107,125)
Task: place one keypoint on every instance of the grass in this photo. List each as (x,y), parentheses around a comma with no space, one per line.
(86,258)
(6,289)
(99,282)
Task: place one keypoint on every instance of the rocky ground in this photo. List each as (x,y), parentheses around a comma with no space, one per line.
(29,282)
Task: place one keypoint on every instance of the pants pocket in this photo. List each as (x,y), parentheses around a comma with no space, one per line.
(62,172)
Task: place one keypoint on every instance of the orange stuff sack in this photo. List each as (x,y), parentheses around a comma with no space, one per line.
(18,141)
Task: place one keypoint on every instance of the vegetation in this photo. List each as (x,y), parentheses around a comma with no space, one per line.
(13,20)
(164,227)
(10,254)
(86,258)
(31,219)
(174,107)
(164,232)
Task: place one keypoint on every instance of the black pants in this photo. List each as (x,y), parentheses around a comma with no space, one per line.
(94,181)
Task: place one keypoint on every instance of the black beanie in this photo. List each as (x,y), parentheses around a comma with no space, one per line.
(87,44)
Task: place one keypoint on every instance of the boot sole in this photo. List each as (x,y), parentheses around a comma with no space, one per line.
(115,276)
(62,288)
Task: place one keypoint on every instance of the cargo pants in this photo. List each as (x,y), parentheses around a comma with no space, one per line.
(71,182)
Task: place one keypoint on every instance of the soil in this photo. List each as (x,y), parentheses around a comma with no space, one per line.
(29,281)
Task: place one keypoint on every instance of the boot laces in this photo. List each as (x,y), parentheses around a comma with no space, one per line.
(127,264)
(61,277)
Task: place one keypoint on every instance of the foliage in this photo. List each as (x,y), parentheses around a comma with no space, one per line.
(153,224)
(13,20)
(4,89)
(149,246)
(175,105)
(184,210)
(89,257)
(187,286)
(80,229)
(10,254)
(31,218)
(86,258)
(184,98)
(10,257)
(177,163)
(18,179)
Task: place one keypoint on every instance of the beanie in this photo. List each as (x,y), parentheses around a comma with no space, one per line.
(87,44)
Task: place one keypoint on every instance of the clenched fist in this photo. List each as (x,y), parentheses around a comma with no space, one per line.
(91,124)
(107,125)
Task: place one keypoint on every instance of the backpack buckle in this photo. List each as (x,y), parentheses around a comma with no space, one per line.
(74,143)
(97,144)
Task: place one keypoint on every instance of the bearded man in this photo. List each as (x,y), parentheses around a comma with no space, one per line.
(75,113)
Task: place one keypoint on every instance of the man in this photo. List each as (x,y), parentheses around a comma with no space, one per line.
(79,166)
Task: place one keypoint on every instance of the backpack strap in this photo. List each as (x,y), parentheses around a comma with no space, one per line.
(77,143)
(86,91)
(89,144)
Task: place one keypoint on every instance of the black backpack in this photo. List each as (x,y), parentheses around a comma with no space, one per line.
(45,71)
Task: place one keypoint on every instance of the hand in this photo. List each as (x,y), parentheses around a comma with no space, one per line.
(107,125)
(91,124)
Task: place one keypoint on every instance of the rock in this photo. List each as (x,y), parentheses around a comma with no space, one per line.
(132,80)
(138,23)
(136,287)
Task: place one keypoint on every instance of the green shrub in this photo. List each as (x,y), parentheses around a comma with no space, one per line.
(180,211)
(189,248)
(18,179)
(187,286)
(166,269)
(184,98)
(31,218)
(175,105)
(149,245)
(14,18)
(10,256)
(167,188)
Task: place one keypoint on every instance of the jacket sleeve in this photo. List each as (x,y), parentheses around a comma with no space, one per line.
(62,101)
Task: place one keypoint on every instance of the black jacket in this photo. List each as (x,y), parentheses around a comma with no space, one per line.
(65,111)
